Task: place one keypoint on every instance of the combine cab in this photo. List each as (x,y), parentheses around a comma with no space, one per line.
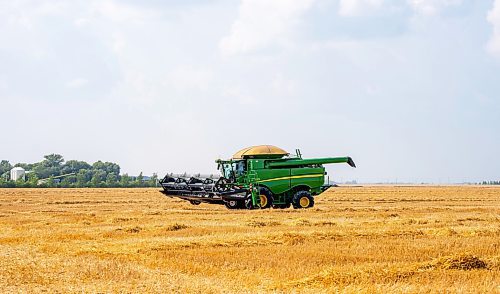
(257,177)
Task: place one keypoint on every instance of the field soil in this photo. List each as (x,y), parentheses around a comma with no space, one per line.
(356,239)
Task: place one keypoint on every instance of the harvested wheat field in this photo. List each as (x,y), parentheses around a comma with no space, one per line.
(356,239)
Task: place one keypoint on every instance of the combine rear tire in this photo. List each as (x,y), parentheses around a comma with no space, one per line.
(266,198)
(233,204)
(302,199)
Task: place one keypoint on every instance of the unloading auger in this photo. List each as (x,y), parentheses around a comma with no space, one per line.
(257,177)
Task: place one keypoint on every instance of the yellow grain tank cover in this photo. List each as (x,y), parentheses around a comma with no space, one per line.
(260,151)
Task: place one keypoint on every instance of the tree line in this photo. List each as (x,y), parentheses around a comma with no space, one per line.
(54,172)
(490,183)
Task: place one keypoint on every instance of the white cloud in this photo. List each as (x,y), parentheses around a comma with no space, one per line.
(261,23)
(122,12)
(283,87)
(82,22)
(188,77)
(3,84)
(241,96)
(494,18)
(431,7)
(77,83)
(358,7)
(26,14)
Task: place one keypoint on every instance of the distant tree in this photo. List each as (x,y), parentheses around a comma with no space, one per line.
(5,167)
(32,179)
(7,183)
(5,176)
(125,180)
(44,172)
(111,180)
(108,167)
(74,166)
(53,160)
(83,178)
(139,181)
(99,174)
(71,179)
(65,183)
(50,166)
(50,182)
(98,178)
(153,180)
(25,166)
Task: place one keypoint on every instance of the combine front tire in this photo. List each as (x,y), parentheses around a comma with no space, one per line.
(266,198)
(233,204)
(195,202)
(302,199)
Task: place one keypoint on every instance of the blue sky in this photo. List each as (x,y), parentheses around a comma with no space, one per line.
(409,89)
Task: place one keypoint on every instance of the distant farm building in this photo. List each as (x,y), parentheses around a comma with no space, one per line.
(56,179)
(17,173)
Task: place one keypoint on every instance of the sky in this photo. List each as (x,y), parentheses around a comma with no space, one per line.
(409,89)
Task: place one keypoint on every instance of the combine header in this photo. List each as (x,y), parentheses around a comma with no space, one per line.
(257,177)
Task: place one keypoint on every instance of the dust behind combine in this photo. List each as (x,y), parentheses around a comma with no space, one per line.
(410,239)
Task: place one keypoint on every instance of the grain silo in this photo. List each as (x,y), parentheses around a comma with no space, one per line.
(17,173)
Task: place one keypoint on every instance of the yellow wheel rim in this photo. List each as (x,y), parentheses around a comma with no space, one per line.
(304,202)
(263,200)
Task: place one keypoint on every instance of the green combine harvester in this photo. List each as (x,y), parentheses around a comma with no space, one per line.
(257,177)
